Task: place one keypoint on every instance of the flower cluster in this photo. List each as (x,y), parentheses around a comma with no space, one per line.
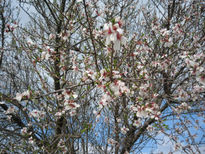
(111,141)
(24,130)
(37,114)
(25,94)
(65,35)
(124,130)
(69,102)
(150,128)
(144,90)
(89,74)
(30,42)
(182,107)
(105,100)
(62,146)
(114,33)
(136,123)
(104,76)
(166,38)
(47,53)
(194,67)
(181,94)
(11,27)
(150,110)
(31,141)
(118,88)
(10,110)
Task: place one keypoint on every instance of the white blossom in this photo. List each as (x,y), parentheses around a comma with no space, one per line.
(10,110)
(114,33)
(124,130)
(24,130)
(37,114)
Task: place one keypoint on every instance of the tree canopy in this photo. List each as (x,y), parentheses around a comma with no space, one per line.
(102,76)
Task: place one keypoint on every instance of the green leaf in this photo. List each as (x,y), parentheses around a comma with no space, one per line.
(83,130)
(113,21)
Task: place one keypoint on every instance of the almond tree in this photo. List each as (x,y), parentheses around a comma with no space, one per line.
(107,76)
